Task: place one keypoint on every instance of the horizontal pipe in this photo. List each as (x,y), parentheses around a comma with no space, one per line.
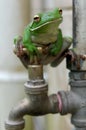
(34,105)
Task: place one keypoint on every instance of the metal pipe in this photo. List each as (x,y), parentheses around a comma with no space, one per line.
(79,31)
(79,24)
(79,36)
(37,102)
(78,67)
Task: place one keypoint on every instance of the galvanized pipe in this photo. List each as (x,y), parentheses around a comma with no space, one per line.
(79,25)
(78,67)
(79,35)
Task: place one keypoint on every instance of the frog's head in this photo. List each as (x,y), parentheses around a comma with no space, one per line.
(44,27)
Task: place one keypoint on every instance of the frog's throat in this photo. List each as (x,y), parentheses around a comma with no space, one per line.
(53,21)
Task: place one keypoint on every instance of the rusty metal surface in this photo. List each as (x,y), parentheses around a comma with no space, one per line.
(79,28)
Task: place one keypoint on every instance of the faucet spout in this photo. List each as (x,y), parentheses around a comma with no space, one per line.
(15,119)
(35,105)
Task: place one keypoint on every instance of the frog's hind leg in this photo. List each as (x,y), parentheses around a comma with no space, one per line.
(67,41)
(56,47)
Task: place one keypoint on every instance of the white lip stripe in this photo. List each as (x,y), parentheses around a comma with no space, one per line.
(45,24)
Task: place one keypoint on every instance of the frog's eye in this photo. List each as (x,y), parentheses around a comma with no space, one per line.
(60,11)
(36,18)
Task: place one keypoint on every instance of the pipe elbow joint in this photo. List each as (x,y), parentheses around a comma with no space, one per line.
(70,102)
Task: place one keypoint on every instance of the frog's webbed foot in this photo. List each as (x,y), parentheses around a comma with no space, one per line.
(30,56)
(21,51)
(19,48)
(70,54)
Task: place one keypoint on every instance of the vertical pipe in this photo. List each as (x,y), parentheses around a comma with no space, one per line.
(79,25)
(79,42)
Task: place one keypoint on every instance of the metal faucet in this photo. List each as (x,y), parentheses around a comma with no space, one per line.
(38,102)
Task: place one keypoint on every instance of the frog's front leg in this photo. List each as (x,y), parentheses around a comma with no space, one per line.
(33,53)
(21,51)
(26,57)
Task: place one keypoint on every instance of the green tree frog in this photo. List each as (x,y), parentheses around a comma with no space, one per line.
(43,37)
